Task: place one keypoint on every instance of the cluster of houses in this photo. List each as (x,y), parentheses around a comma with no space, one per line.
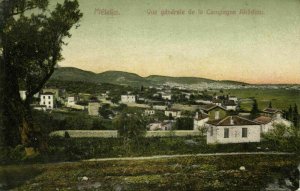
(213,117)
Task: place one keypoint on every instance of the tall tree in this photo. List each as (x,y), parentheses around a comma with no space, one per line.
(270,104)
(130,127)
(296,116)
(254,111)
(32,37)
(290,113)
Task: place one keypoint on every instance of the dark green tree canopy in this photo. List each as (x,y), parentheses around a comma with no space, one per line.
(31,40)
(34,42)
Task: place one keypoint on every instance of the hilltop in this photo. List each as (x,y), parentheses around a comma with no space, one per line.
(131,79)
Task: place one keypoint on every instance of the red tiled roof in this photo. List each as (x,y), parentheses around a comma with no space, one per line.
(233,121)
(210,107)
(263,120)
(201,116)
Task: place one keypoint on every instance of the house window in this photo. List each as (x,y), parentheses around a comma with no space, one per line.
(44,103)
(211,131)
(49,102)
(217,114)
(44,97)
(48,97)
(226,133)
(244,132)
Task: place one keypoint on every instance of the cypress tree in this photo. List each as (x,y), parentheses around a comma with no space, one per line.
(290,113)
(296,116)
(270,104)
(254,110)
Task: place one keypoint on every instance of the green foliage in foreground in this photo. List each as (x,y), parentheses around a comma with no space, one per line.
(179,173)
(73,149)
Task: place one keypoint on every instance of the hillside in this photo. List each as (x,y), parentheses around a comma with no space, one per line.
(126,78)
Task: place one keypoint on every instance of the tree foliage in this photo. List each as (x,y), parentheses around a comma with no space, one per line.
(184,123)
(32,37)
(130,127)
(254,111)
(284,138)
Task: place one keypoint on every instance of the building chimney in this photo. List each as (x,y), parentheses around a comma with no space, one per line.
(231,121)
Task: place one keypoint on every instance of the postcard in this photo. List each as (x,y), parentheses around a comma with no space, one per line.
(150,95)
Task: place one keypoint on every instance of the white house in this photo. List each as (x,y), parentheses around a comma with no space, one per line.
(22,94)
(217,102)
(93,108)
(230,105)
(71,100)
(128,98)
(203,101)
(276,116)
(47,99)
(161,126)
(233,129)
(199,121)
(149,112)
(233,98)
(272,112)
(166,96)
(173,113)
(266,123)
(39,107)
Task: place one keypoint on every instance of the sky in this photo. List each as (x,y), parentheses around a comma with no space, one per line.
(215,42)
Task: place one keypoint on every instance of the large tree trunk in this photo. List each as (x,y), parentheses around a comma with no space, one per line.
(19,127)
(31,137)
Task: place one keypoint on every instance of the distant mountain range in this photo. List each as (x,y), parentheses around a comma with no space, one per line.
(131,79)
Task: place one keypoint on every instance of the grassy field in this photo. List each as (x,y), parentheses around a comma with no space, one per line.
(280,98)
(180,173)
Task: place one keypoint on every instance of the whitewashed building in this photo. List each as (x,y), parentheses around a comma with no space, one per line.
(47,99)
(22,94)
(161,126)
(71,100)
(233,129)
(166,96)
(128,98)
(93,108)
(149,112)
(266,123)
(230,105)
(233,98)
(200,120)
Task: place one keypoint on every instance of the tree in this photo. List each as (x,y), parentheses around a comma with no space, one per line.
(284,138)
(31,49)
(296,116)
(290,113)
(254,111)
(270,104)
(104,111)
(184,123)
(130,127)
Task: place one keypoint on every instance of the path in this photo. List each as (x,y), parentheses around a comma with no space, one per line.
(189,155)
